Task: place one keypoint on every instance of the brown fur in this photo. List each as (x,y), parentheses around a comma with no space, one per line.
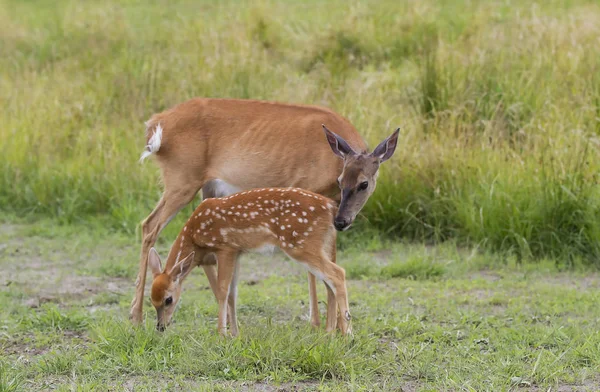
(299,222)
(252,144)
(160,285)
(246,143)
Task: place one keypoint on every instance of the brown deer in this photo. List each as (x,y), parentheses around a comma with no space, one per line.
(299,222)
(227,145)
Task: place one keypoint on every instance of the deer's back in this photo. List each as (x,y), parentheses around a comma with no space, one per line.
(252,144)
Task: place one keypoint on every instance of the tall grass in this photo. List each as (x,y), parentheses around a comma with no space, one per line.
(499,104)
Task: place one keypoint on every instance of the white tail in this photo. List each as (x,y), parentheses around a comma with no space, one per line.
(153,143)
(245,144)
(298,222)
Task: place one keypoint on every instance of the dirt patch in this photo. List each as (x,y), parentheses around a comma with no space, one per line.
(581,283)
(20,348)
(49,275)
(486,275)
(23,347)
(589,385)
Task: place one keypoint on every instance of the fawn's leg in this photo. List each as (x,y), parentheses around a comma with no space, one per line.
(336,280)
(333,317)
(226,268)
(334,276)
(211,274)
(332,307)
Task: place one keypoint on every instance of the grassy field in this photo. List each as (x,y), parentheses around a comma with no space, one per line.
(499,102)
(424,319)
(473,268)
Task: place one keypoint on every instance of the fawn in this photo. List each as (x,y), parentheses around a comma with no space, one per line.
(297,221)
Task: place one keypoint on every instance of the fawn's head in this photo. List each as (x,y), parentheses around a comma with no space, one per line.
(359,175)
(166,286)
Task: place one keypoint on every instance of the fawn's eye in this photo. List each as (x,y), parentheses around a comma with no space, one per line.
(363,185)
(169,301)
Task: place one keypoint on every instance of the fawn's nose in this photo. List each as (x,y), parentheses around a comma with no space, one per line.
(341,224)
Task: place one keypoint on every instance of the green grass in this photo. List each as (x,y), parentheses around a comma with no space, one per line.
(425,318)
(498,101)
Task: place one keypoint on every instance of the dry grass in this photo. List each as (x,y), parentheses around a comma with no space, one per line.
(499,104)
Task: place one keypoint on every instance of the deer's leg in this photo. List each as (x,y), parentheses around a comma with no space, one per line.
(211,274)
(315,319)
(231,300)
(172,201)
(226,269)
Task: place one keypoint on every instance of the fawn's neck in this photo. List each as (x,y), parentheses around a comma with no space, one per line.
(181,248)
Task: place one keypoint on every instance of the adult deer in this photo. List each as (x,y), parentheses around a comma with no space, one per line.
(299,222)
(227,145)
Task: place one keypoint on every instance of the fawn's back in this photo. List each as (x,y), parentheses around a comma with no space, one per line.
(288,218)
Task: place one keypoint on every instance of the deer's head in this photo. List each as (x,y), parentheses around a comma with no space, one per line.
(166,286)
(359,175)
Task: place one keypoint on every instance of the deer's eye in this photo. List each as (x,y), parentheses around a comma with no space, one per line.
(363,185)
(168,301)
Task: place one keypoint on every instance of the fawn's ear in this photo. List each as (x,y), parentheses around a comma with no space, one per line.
(386,148)
(154,262)
(183,268)
(338,144)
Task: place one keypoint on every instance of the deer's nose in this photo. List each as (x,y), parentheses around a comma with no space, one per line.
(341,224)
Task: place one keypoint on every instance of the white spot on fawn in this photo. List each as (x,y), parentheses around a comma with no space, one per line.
(311,208)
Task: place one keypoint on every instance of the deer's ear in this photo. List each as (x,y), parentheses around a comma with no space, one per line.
(386,148)
(339,146)
(154,262)
(183,268)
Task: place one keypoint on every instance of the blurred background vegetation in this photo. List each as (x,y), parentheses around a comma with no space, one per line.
(499,102)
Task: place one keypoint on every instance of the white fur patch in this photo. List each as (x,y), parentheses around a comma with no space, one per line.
(153,144)
(220,188)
